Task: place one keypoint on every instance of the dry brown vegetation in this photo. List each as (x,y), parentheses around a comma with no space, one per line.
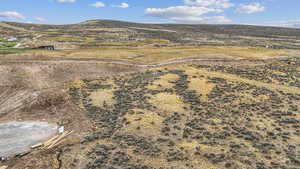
(148,54)
(49,99)
(144,116)
(190,116)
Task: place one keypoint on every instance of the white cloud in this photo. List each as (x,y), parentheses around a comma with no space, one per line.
(210,3)
(122,5)
(66,1)
(40,19)
(250,8)
(186,14)
(211,19)
(194,11)
(98,4)
(179,11)
(12,14)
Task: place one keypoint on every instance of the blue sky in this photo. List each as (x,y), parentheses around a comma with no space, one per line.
(257,12)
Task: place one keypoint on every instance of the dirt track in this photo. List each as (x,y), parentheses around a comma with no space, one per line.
(129,63)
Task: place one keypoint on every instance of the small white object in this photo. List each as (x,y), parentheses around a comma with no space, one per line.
(36,146)
(12,39)
(61,129)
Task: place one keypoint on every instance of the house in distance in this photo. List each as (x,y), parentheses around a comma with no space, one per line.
(48,47)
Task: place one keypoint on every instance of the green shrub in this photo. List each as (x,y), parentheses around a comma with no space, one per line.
(11,51)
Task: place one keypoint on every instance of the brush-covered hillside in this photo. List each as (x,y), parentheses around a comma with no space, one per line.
(192,116)
(95,33)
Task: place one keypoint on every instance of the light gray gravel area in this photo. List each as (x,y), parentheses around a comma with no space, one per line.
(18,137)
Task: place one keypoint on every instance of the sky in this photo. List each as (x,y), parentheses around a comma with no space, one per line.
(284,13)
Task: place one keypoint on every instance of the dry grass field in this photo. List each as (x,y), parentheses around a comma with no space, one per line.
(193,116)
(149,54)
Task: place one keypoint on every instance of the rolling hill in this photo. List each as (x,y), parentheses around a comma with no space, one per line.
(95,32)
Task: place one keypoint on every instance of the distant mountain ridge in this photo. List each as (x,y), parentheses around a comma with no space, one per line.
(246,35)
(220,28)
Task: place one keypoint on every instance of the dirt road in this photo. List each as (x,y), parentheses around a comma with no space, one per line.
(129,63)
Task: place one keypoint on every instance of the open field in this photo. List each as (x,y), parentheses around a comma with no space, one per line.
(118,95)
(148,54)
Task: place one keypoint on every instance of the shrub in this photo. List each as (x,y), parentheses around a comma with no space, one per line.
(50,98)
